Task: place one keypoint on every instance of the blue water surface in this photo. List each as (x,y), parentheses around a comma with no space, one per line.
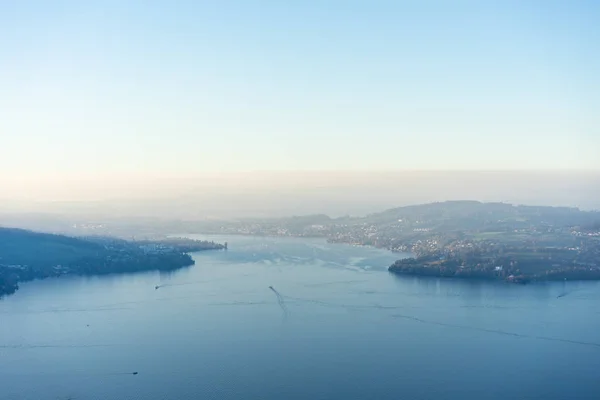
(279,318)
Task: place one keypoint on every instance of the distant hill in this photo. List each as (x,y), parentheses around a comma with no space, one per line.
(474,214)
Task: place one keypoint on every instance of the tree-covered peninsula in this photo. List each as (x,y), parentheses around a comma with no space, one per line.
(26,255)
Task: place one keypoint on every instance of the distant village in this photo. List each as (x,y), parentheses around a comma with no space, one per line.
(463,238)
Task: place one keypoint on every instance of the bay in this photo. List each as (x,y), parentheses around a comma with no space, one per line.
(276,318)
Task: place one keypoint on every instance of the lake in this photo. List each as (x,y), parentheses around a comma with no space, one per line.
(279,318)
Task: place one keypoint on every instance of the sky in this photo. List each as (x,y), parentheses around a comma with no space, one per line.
(99,91)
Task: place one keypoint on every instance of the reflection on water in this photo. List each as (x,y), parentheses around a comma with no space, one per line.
(295,319)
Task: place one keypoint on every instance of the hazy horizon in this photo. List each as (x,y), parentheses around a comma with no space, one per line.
(334,193)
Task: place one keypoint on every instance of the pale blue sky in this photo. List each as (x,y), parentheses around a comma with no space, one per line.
(93,89)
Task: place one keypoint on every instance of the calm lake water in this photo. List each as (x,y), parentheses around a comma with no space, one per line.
(336,325)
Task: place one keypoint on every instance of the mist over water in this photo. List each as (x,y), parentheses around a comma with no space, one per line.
(297,318)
